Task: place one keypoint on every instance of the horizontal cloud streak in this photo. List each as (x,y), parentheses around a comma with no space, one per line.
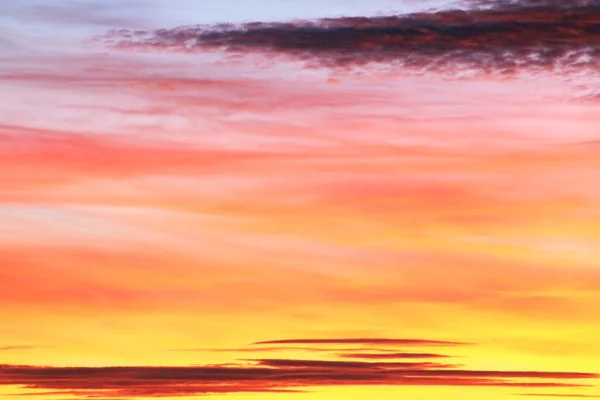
(370,341)
(383,356)
(292,348)
(17,347)
(263,376)
(346,364)
(273,375)
(505,39)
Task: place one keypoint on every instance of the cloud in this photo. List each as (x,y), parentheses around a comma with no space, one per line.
(369,341)
(358,352)
(346,364)
(271,375)
(62,154)
(266,375)
(17,347)
(383,356)
(286,348)
(503,39)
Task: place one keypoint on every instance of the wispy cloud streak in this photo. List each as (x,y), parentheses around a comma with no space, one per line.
(17,347)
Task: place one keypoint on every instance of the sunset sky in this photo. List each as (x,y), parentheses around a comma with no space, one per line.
(299,199)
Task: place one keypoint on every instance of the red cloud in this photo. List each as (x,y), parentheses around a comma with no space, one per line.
(370,341)
(270,375)
(384,356)
(264,376)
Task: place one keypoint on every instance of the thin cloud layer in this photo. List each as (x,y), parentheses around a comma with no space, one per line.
(504,39)
(388,356)
(264,376)
(272,375)
(17,347)
(262,349)
(370,341)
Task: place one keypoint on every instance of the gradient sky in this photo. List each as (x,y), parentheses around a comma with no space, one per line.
(301,204)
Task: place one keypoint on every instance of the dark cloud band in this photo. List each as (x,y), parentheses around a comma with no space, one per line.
(501,38)
(276,374)
(368,341)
